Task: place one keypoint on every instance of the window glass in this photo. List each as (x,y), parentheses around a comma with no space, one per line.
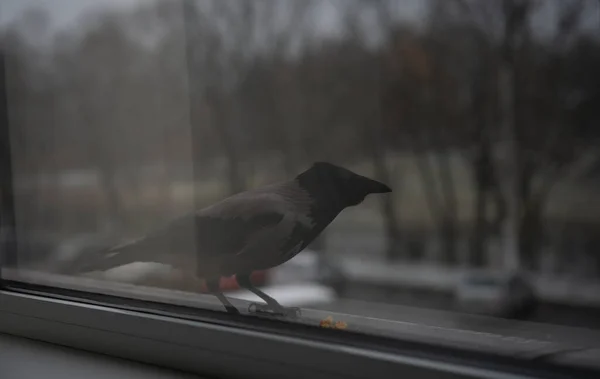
(394,159)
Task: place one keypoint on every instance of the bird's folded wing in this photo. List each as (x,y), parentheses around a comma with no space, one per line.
(223,229)
(167,245)
(231,226)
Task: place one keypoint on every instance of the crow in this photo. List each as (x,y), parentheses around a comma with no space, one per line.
(252,230)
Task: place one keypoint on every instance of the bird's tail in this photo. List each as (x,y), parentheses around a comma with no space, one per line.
(101,260)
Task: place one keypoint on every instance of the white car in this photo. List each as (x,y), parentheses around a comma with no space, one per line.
(500,294)
(309,266)
(306,280)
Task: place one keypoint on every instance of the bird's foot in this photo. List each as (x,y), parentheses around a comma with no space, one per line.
(232,310)
(266,309)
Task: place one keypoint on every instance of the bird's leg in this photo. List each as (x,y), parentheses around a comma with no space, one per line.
(272,306)
(213,287)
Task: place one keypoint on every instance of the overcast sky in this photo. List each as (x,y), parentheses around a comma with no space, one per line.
(62,12)
(65,13)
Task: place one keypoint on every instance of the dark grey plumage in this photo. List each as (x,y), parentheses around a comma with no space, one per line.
(252,230)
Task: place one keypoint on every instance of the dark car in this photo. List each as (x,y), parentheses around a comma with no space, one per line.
(499,293)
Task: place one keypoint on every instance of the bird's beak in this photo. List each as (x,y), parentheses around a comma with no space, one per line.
(377,187)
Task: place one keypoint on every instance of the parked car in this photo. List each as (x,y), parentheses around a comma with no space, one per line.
(306,267)
(306,280)
(228,284)
(500,294)
(309,267)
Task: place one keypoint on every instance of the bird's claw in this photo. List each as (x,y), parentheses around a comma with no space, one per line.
(259,308)
(232,310)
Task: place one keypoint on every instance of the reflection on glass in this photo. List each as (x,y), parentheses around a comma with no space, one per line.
(126,118)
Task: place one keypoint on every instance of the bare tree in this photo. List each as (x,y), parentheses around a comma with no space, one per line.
(373,118)
(522,154)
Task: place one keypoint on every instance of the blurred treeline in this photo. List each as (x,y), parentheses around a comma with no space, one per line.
(482,115)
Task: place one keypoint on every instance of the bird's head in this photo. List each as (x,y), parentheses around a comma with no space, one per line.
(346,186)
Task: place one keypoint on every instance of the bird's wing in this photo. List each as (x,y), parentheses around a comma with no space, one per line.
(225,229)
(169,244)
(231,226)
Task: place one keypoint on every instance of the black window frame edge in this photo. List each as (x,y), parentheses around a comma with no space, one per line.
(7,204)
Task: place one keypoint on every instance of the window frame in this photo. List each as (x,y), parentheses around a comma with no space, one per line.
(204,340)
(7,209)
(212,348)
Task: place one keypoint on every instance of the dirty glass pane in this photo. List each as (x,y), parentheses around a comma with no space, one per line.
(433,162)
